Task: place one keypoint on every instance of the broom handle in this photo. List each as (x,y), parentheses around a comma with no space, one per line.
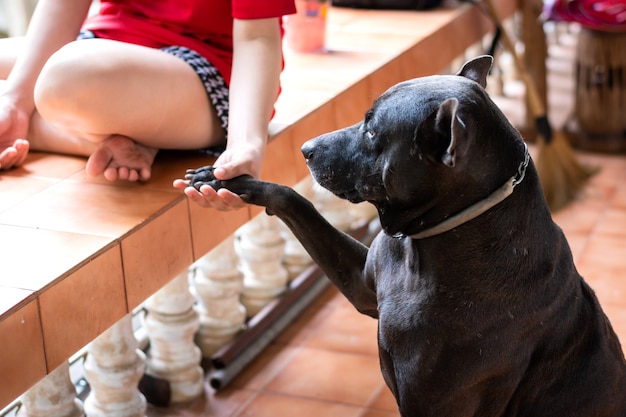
(536,103)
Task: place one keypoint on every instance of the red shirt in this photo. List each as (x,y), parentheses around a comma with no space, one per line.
(206,26)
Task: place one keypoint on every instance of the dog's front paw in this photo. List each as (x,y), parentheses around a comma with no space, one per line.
(203,176)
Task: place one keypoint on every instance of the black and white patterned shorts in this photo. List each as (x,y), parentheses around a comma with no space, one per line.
(213,82)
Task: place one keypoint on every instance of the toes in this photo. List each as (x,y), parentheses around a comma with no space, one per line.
(133,175)
(110,173)
(98,163)
(120,158)
(144,174)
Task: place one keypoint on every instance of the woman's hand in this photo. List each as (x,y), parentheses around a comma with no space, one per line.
(257,63)
(232,163)
(13,129)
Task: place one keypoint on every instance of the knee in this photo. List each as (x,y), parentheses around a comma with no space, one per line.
(64,82)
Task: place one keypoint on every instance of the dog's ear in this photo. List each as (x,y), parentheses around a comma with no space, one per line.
(450,126)
(477,69)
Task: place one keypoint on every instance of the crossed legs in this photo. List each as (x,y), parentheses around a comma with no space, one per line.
(118,104)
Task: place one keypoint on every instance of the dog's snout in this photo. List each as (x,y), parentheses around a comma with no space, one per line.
(307,150)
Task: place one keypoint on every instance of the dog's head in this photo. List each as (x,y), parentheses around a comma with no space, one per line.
(425,149)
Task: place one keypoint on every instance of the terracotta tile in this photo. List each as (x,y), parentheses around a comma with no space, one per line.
(383,43)
(619,199)
(320,374)
(387,22)
(380,413)
(308,323)
(579,216)
(577,243)
(384,400)
(258,373)
(604,253)
(330,72)
(271,405)
(298,168)
(156,253)
(12,299)
(21,350)
(212,404)
(390,74)
(279,164)
(613,223)
(349,107)
(608,291)
(38,257)
(293,105)
(75,310)
(617,316)
(611,173)
(15,189)
(346,330)
(209,227)
(604,266)
(91,208)
(51,166)
(314,124)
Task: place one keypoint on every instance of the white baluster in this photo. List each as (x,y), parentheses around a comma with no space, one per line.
(362,212)
(260,248)
(295,259)
(334,209)
(53,396)
(171,323)
(218,284)
(113,368)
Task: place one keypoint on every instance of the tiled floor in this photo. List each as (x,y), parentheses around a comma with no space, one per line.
(326,363)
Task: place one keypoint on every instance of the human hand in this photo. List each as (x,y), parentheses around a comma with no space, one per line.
(13,129)
(229,165)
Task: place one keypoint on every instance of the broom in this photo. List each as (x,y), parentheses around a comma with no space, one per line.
(561,175)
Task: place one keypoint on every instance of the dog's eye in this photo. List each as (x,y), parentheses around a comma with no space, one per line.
(370,134)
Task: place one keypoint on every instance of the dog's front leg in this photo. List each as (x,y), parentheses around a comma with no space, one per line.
(339,255)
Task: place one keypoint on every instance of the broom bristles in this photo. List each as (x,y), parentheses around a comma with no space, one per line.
(560,173)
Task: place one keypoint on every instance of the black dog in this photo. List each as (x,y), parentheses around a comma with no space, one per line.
(481,310)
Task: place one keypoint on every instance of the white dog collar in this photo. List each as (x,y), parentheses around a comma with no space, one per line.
(480,207)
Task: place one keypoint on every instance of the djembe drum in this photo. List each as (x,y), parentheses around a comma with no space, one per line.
(600,109)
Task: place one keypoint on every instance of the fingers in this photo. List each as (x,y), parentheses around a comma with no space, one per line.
(207,197)
(229,166)
(15,155)
(180,184)
(225,172)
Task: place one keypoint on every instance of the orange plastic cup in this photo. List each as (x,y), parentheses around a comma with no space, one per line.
(305,31)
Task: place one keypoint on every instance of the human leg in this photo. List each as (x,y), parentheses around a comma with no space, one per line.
(115,95)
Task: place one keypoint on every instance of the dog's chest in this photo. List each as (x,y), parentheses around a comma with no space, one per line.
(403,296)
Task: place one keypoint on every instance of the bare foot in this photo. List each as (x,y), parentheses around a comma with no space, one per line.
(14,154)
(120,157)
